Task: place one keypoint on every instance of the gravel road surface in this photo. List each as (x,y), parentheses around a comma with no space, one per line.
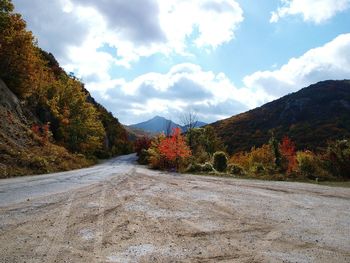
(122,212)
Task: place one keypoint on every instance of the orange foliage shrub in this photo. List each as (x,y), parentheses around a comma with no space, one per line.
(263,155)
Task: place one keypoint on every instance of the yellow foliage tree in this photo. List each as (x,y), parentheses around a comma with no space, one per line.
(80,128)
(21,66)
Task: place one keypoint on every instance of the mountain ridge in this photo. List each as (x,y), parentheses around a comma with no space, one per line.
(310,116)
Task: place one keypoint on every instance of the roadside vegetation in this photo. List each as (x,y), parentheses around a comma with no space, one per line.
(200,151)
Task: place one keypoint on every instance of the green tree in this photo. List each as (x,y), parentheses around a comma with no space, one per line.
(275,149)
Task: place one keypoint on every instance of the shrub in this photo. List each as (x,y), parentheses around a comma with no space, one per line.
(220,161)
(207,167)
(200,155)
(194,168)
(142,144)
(263,155)
(257,168)
(143,157)
(40,163)
(198,168)
(235,169)
(337,159)
(307,164)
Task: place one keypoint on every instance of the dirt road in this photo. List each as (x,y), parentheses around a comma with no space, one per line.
(121,212)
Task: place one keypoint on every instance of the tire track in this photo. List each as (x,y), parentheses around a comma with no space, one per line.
(100,224)
(51,246)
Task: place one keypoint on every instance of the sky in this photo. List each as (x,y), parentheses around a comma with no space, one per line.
(217,58)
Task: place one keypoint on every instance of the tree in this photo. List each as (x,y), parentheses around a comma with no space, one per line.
(141,144)
(174,148)
(275,149)
(189,122)
(212,141)
(80,128)
(21,66)
(288,152)
(155,158)
(337,158)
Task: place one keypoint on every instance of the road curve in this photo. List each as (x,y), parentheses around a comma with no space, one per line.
(20,189)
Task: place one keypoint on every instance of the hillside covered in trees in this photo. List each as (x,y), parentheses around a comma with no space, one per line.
(47,114)
(311,117)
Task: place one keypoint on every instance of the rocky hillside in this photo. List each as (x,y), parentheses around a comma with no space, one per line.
(311,117)
(23,152)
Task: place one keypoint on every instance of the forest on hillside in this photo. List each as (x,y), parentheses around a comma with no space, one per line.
(58,108)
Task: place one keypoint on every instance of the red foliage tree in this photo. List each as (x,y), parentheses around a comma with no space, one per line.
(287,148)
(174,148)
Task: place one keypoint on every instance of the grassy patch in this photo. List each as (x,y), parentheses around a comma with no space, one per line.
(276,178)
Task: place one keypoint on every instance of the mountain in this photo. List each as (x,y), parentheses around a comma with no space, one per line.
(160,124)
(156,125)
(134,133)
(310,117)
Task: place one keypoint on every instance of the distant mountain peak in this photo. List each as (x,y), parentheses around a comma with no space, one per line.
(160,124)
(157,117)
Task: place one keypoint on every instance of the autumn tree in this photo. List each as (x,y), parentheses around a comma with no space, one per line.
(288,152)
(155,158)
(80,128)
(141,144)
(21,65)
(174,148)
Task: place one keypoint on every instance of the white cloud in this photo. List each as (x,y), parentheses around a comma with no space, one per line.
(331,61)
(184,87)
(208,23)
(134,29)
(316,11)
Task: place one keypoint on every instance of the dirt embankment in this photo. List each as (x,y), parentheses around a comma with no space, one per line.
(22,152)
(137,215)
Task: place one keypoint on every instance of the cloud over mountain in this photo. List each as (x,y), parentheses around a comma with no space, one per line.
(185,87)
(330,61)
